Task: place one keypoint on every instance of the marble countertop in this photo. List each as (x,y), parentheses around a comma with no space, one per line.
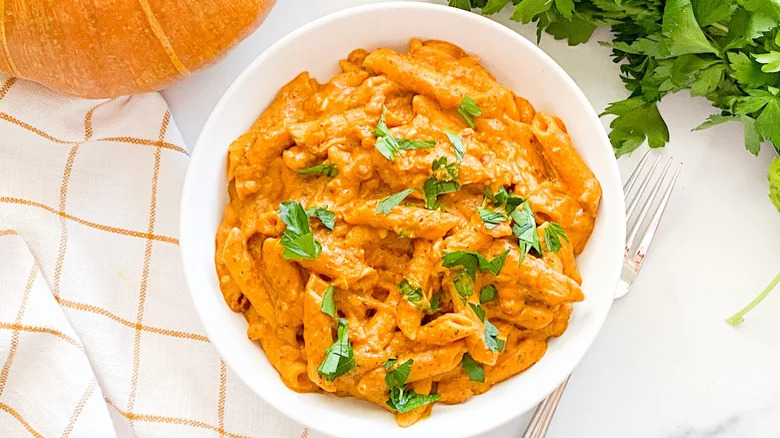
(665,364)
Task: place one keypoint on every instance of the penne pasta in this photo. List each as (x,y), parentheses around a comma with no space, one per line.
(404,233)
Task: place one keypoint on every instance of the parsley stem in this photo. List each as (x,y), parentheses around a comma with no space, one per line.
(737,318)
(720,27)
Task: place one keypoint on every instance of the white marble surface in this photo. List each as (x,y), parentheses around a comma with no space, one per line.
(666,364)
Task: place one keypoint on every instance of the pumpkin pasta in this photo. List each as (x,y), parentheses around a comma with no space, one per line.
(404,233)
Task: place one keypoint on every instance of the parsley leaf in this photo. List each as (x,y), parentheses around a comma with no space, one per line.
(526,10)
(433,187)
(328,305)
(464,285)
(503,199)
(493,6)
(386,204)
(488,293)
(708,12)
(389,363)
(389,145)
(404,400)
(681,31)
(774,182)
(492,341)
(451,170)
(340,358)
(398,376)
(460,4)
(491,218)
(524,228)
(457,144)
(327,217)
(565,7)
(472,368)
(325,169)
(465,259)
(470,260)
(748,72)
(768,123)
(468,109)
(435,303)
(636,121)
(297,239)
(752,137)
(770,60)
(412,293)
(552,236)
(493,266)
(479,311)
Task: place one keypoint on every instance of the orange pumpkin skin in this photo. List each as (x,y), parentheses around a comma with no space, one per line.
(108,48)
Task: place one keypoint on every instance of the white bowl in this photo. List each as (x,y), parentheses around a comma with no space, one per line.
(317,47)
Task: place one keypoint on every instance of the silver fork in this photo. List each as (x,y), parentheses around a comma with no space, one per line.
(633,257)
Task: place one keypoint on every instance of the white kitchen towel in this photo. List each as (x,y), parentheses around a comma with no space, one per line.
(98,337)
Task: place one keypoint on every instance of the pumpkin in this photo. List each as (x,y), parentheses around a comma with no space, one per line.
(108,48)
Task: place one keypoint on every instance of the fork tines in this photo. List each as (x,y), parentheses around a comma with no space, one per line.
(634,259)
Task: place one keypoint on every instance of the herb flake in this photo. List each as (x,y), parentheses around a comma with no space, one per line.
(328,305)
(386,204)
(468,109)
(339,358)
(297,239)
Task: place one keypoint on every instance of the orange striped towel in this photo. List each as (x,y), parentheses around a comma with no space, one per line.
(98,337)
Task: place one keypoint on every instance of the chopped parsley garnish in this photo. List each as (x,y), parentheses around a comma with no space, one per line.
(491,218)
(432,188)
(398,376)
(495,344)
(491,332)
(416,296)
(435,302)
(339,358)
(444,180)
(493,266)
(503,199)
(297,239)
(327,217)
(325,169)
(412,293)
(403,399)
(469,109)
(328,305)
(524,228)
(479,311)
(457,144)
(389,145)
(552,236)
(389,363)
(473,369)
(488,293)
(386,204)
(464,285)
(465,259)
(450,170)
(470,260)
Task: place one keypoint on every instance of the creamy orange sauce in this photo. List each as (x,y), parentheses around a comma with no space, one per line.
(368,254)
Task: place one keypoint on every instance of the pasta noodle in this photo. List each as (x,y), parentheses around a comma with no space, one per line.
(406,232)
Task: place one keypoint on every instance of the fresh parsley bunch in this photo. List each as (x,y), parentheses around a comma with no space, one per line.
(725,50)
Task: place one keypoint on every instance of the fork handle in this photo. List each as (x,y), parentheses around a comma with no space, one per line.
(542,418)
